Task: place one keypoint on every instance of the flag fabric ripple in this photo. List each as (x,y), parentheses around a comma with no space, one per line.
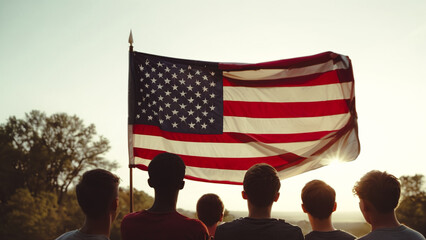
(221,118)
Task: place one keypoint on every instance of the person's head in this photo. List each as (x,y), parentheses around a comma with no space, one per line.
(210,209)
(97,193)
(261,185)
(166,172)
(318,199)
(380,189)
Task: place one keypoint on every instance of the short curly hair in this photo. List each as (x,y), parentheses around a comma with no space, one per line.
(318,198)
(381,189)
(261,184)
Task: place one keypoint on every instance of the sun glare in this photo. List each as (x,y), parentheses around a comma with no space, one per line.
(334,161)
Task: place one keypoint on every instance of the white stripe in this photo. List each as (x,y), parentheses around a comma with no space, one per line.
(270,74)
(130,145)
(226,150)
(346,149)
(289,94)
(206,173)
(284,125)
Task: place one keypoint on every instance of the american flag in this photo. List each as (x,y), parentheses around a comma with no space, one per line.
(221,118)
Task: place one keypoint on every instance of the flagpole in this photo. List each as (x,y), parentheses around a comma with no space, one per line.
(131,166)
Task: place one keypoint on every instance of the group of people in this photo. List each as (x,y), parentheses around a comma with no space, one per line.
(97,195)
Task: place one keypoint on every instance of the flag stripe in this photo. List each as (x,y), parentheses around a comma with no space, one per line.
(225,150)
(239,163)
(284,110)
(308,80)
(299,62)
(273,74)
(231,137)
(292,94)
(203,174)
(284,125)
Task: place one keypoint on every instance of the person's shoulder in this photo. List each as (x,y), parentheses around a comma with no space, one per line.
(229,226)
(258,227)
(134,214)
(336,234)
(365,237)
(345,235)
(413,233)
(313,235)
(401,232)
(271,223)
(375,234)
(190,220)
(133,218)
(227,230)
(77,235)
(190,223)
(67,235)
(282,223)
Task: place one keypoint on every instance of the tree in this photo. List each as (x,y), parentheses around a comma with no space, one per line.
(412,207)
(30,217)
(411,185)
(47,153)
(41,157)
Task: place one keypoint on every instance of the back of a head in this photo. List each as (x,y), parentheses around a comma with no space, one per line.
(318,199)
(166,171)
(210,209)
(96,191)
(261,184)
(381,189)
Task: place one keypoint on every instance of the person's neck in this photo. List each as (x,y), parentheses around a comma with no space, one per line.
(388,220)
(212,229)
(164,201)
(259,212)
(321,225)
(101,226)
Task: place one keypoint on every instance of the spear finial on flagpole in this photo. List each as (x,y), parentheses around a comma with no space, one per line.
(131,41)
(131,165)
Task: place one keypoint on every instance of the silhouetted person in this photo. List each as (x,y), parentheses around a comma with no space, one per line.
(261,189)
(378,194)
(210,211)
(97,195)
(318,201)
(162,221)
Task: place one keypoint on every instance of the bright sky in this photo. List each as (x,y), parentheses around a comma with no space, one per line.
(72,57)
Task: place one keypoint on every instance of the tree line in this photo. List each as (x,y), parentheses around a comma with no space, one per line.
(42,157)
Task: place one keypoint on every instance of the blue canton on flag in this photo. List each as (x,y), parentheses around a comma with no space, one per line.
(178,97)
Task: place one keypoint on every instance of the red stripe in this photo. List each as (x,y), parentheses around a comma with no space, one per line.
(331,77)
(278,161)
(285,63)
(284,110)
(231,137)
(145,168)
(212,181)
